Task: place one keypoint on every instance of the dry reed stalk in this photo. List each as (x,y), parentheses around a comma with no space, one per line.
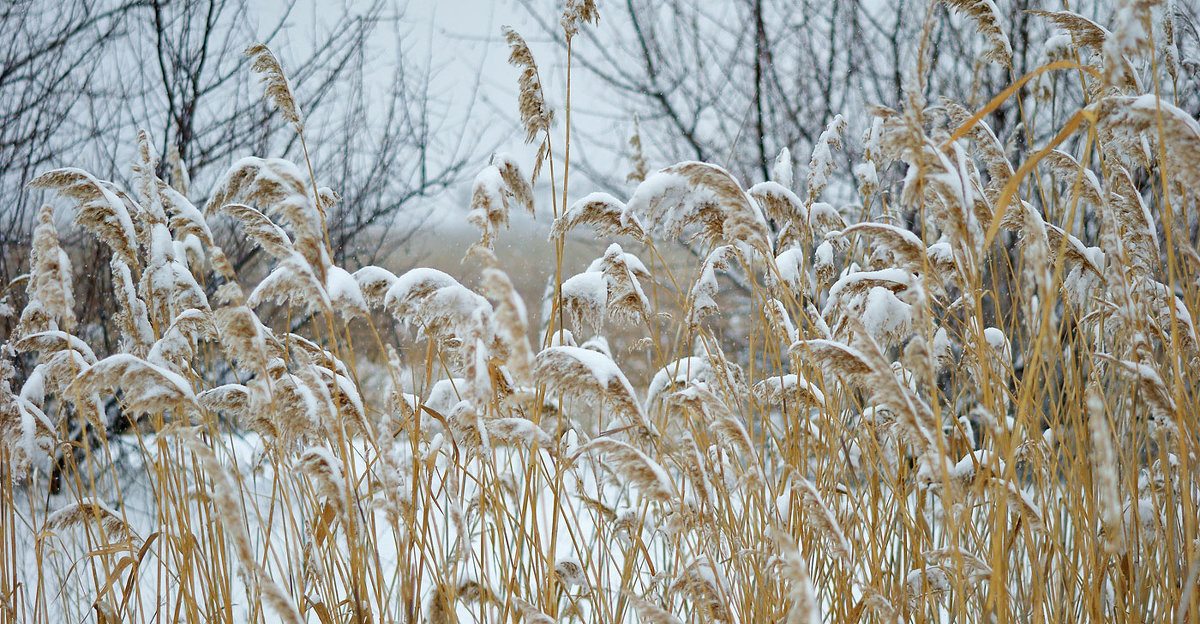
(489,468)
(805,609)
(1105,467)
(822,518)
(230,515)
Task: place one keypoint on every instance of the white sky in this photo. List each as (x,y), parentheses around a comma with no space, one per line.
(459,42)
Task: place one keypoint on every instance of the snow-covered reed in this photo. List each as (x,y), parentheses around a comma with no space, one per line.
(971,396)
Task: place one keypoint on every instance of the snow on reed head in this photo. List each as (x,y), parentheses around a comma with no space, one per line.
(701,196)
(651,613)
(279,185)
(450,313)
(707,590)
(145,388)
(50,296)
(588,376)
(325,470)
(702,295)
(821,164)
(986,17)
(86,512)
(604,212)
(99,208)
(530,613)
(780,204)
(626,302)
(866,468)
(576,11)
(585,299)
(495,189)
(25,431)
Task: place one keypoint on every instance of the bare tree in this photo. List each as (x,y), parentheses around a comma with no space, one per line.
(734,81)
(379,155)
(46,65)
(76,82)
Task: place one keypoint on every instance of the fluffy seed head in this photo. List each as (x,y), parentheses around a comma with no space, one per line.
(278,90)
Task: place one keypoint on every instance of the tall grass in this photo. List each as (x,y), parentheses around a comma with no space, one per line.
(989,415)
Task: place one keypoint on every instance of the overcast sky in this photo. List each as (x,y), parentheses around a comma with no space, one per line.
(460,43)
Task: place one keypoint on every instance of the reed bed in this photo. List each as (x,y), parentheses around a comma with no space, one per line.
(986,411)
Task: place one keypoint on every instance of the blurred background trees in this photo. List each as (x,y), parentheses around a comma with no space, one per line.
(79,77)
(733,81)
(730,82)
